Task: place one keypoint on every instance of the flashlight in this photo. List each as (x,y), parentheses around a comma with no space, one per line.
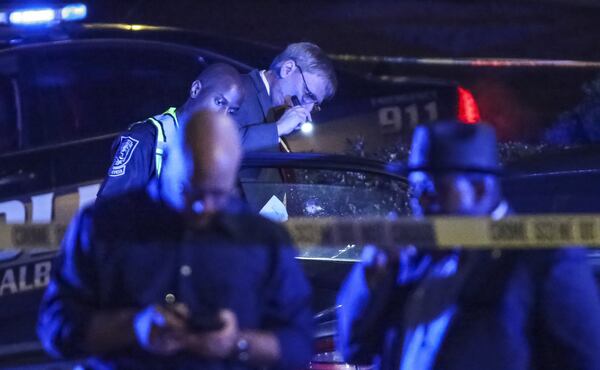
(306,127)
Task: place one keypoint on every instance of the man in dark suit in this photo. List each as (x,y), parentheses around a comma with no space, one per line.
(421,310)
(303,71)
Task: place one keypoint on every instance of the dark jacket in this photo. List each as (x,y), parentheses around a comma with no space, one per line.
(133,162)
(254,117)
(129,253)
(514,310)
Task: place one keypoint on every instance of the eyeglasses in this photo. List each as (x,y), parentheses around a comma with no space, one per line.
(308,97)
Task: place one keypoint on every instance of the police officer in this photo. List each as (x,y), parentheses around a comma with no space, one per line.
(179,275)
(141,149)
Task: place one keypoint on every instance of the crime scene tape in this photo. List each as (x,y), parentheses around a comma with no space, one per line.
(545,231)
(449,232)
(29,236)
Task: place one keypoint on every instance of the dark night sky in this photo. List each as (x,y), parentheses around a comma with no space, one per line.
(540,29)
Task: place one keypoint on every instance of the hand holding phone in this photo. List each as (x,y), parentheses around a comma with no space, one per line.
(206,322)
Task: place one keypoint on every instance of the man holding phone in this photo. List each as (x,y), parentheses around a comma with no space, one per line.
(302,72)
(180,275)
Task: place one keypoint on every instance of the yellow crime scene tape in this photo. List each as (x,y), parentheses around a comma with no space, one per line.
(29,236)
(540,231)
(448,232)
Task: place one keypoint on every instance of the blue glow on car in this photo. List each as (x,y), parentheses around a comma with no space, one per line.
(32,16)
(73,12)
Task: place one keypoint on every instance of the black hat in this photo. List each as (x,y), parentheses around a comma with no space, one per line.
(454,146)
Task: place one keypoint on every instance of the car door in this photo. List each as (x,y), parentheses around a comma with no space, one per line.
(61,105)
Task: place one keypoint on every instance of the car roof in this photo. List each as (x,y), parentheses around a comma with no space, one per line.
(248,53)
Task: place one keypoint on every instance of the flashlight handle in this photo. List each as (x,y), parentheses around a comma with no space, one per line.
(295,100)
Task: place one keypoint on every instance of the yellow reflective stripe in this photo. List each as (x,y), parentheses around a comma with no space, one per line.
(160,141)
(161,137)
(171,112)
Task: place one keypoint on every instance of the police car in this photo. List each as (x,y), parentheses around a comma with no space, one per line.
(67,88)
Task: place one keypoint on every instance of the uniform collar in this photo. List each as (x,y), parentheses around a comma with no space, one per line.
(172,112)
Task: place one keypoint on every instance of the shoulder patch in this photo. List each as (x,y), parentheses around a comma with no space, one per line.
(122,156)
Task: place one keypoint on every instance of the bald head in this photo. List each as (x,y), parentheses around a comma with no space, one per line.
(212,142)
(201,168)
(218,88)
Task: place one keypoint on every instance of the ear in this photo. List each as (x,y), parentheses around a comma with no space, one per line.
(195,89)
(287,68)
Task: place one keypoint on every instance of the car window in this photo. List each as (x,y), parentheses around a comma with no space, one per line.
(79,90)
(8,116)
(284,193)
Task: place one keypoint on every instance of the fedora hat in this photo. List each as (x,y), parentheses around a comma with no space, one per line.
(454,146)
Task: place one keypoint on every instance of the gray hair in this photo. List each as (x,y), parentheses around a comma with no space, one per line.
(311,59)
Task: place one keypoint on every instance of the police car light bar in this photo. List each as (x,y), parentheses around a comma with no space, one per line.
(74,12)
(43,16)
(32,16)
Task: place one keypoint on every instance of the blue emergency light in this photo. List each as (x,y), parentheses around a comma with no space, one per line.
(74,12)
(43,15)
(32,16)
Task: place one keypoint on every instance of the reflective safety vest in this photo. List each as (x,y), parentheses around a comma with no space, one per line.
(166,127)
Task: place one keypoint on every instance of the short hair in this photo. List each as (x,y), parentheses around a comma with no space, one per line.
(311,59)
(220,74)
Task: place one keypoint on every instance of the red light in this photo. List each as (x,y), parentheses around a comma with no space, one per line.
(468,111)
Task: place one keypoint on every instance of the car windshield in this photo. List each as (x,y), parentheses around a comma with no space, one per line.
(282,193)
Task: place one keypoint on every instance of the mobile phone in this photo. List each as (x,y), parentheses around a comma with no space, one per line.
(201,321)
(205,322)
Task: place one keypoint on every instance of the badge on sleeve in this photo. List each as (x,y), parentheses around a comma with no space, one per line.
(122,156)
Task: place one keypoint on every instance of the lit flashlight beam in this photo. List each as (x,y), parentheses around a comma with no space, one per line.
(471,62)
(307,127)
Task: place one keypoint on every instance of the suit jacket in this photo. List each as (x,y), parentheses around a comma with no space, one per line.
(258,134)
(515,310)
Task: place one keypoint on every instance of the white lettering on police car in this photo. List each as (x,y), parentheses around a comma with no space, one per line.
(122,156)
(14,211)
(20,280)
(41,208)
(23,286)
(41,274)
(432,110)
(390,119)
(8,283)
(393,119)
